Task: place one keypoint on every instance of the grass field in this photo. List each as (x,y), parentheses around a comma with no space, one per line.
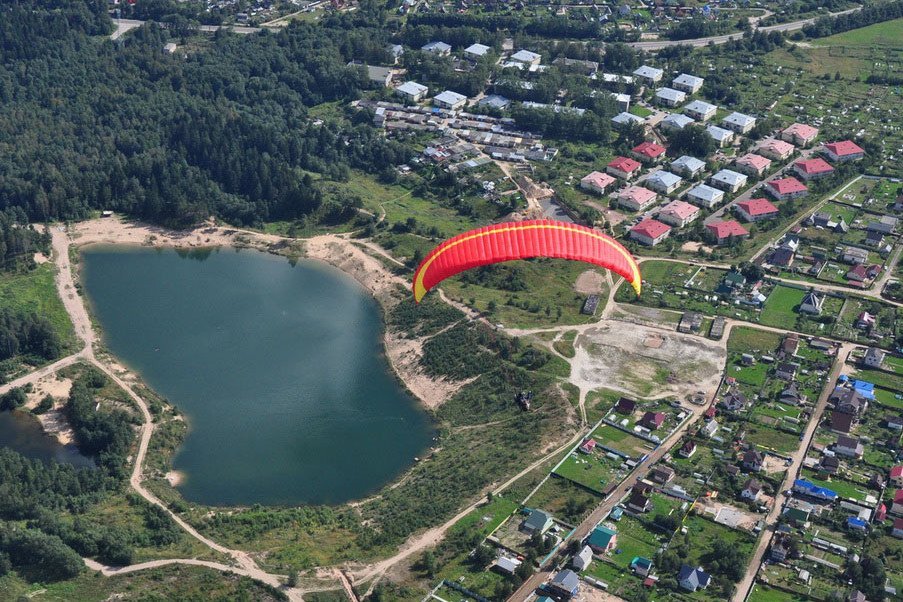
(622,441)
(564,499)
(35,291)
(781,310)
(842,488)
(744,339)
(888,33)
(593,471)
(487,517)
(704,533)
(771,439)
(763,593)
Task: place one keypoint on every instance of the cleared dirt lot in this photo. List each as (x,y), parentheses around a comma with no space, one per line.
(645,362)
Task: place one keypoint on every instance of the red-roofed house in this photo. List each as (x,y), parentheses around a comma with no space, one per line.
(898,528)
(800,134)
(636,198)
(753,164)
(881,513)
(897,507)
(648,152)
(678,213)
(787,188)
(596,182)
(722,231)
(623,167)
(755,210)
(896,476)
(845,150)
(776,149)
(588,446)
(812,169)
(652,420)
(650,232)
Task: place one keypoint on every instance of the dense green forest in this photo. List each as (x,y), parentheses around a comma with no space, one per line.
(89,123)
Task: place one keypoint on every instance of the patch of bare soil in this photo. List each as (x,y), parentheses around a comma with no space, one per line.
(53,421)
(589,283)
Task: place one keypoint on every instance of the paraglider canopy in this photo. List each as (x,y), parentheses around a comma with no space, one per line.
(523,240)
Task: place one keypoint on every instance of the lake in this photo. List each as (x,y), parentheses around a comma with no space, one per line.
(23,433)
(280,371)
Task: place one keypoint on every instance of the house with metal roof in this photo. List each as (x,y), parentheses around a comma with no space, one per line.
(583,558)
(721,136)
(664,182)
(706,196)
(728,180)
(692,579)
(786,189)
(800,134)
(739,122)
(753,164)
(412,91)
(602,539)
(755,210)
(625,118)
(650,232)
(669,97)
(678,213)
(565,584)
(450,100)
(649,75)
(808,488)
(688,166)
(435,47)
(494,101)
(526,57)
(675,122)
(538,521)
(688,83)
(476,51)
(700,110)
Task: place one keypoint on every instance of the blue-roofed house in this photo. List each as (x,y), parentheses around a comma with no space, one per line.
(692,579)
(804,487)
(602,539)
(856,524)
(864,388)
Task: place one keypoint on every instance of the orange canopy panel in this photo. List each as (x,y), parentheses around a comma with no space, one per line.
(522,240)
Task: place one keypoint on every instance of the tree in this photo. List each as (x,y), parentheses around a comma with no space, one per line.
(292,580)
(692,140)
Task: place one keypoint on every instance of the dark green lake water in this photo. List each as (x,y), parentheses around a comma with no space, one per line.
(279,369)
(24,434)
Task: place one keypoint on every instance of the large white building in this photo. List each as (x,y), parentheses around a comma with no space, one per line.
(412,91)
(688,83)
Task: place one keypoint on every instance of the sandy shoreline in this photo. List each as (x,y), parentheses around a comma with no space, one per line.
(53,421)
(338,251)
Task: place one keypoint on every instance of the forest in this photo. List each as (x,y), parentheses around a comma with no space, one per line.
(224,131)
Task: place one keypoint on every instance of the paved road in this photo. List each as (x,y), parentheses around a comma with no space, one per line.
(124,25)
(792,26)
(752,569)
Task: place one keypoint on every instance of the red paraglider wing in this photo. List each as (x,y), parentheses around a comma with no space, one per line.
(522,240)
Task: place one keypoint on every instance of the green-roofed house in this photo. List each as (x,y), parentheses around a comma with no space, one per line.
(797,515)
(641,566)
(602,539)
(538,521)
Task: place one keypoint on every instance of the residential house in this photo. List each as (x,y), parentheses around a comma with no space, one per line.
(652,420)
(506,565)
(687,166)
(787,370)
(781,257)
(800,134)
(494,101)
(700,111)
(753,460)
(813,169)
(625,406)
(728,180)
(792,395)
(538,521)
(641,566)
(582,559)
(625,118)
(587,68)
(786,189)
(898,528)
(776,149)
(649,75)
(865,320)
(752,490)
(596,182)
(856,596)
(687,449)
(449,100)
(661,474)
(854,523)
(475,52)
(725,231)
(829,465)
(565,584)
(678,213)
(675,122)
(848,446)
(873,239)
(841,422)
(636,198)
(812,303)
(753,164)
(525,57)
(721,136)
(688,83)
(639,500)
(779,549)
(896,476)
(670,97)
(692,579)
(848,400)
(690,321)
(734,401)
(739,122)
(440,48)
(623,167)
(894,423)
(790,345)
(897,506)
(378,75)
(706,196)
(412,91)
(709,428)
(664,182)
(887,224)
(845,150)
(755,210)
(621,100)
(648,152)
(854,255)
(808,488)
(650,232)
(602,539)
(588,446)
(873,358)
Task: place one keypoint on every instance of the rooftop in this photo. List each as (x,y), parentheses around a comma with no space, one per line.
(787,186)
(755,207)
(844,148)
(814,166)
(681,209)
(625,164)
(449,97)
(727,228)
(651,228)
(649,149)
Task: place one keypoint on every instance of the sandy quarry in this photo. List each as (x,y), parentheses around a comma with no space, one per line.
(53,421)
(643,361)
